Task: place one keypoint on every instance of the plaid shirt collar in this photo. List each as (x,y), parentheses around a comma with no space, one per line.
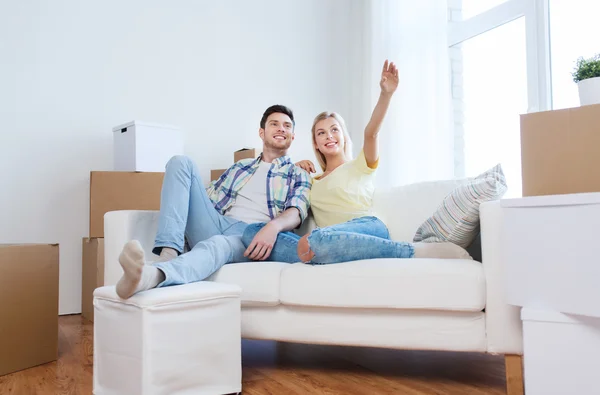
(281,161)
(288,186)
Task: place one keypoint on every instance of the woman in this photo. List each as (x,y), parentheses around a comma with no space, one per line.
(341,197)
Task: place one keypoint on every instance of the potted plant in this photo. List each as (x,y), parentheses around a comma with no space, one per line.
(587,77)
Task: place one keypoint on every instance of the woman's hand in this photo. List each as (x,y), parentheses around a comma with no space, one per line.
(389,78)
(388,84)
(307,166)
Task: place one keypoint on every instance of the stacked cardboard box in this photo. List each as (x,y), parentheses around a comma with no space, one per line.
(121,190)
(112,191)
(215,174)
(92,273)
(560,151)
(29,308)
(244,153)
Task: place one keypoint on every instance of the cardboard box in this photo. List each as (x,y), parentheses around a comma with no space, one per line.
(144,146)
(244,153)
(29,305)
(560,151)
(92,268)
(215,174)
(113,190)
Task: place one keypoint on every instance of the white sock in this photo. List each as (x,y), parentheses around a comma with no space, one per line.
(443,250)
(137,276)
(167,254)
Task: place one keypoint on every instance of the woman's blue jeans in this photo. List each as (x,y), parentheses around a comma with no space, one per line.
(360,238)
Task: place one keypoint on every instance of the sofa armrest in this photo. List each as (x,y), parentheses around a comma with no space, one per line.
(121,227)
(503,322)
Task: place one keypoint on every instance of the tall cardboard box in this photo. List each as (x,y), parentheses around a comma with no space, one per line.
(116,190)
(560,151)
(244,153)
(92,269)
(28,305)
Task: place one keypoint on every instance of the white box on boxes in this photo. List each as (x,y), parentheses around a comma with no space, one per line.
(552,253)
(143,146)
(561,353)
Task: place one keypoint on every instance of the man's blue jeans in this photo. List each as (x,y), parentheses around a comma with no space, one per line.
(360,238)
(186,211)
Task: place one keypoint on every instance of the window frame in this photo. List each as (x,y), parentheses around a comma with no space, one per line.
(538,60)
(537,31)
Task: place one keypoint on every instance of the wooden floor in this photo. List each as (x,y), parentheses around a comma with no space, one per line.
(288,369)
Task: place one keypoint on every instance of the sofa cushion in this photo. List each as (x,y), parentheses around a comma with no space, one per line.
(260,281)
(457,218)
(431,284)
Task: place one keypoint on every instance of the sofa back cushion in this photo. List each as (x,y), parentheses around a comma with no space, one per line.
(405,208)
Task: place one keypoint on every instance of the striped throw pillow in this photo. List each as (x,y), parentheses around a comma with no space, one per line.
(457,219)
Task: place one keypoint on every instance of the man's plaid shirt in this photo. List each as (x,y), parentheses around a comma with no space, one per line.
(287,186)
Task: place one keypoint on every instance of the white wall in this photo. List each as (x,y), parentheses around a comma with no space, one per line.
(71,70)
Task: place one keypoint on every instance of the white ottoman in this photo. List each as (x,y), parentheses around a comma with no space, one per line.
(174,340)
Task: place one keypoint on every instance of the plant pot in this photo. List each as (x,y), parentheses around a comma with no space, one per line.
(589,91)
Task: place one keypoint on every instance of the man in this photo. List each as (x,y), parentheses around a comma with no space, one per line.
(267,189)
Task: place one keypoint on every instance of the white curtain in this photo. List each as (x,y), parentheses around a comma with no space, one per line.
(417,139)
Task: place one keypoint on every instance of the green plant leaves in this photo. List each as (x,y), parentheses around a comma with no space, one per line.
(587,68)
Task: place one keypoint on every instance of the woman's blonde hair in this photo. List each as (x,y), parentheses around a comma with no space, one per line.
(347,140)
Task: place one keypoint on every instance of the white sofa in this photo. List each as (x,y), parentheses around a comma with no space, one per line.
(422,304)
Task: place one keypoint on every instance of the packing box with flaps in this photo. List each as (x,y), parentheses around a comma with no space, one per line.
(144,146)
(560,151)
(29,305)
(92,269)
(245,153)
(115,190)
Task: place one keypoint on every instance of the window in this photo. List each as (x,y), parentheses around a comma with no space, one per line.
(494,94)
(470,8)
(499,52)
(573,26)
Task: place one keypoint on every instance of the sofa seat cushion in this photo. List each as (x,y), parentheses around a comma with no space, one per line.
(430,284)
(260,281)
